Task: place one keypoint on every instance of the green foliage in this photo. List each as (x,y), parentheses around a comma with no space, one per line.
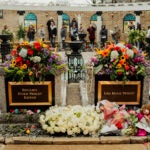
(21,33)
(136,36)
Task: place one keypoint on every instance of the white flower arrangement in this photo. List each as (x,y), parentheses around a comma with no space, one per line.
(72,120)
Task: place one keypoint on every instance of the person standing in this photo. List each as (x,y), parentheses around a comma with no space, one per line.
(31,33)
(74,32)
(116,34)
(41,32)
(131,26)
(63,35)
(48,26)
(53,33)
(5,30)
(74,22)
(91,30)
(103,35)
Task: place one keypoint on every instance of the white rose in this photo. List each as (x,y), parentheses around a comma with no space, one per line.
(23,52)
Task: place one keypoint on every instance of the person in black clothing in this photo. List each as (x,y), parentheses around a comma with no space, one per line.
(74,22)
(53,33)
(48,26)
(31,33)
(103,35)
(131,26)
(138,26)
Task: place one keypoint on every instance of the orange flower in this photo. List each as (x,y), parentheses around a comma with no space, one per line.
(123,50)
(122,61)
(135,51)
(126,56)
(110,47)
(105,53)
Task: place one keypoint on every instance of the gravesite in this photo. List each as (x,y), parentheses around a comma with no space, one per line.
(74,74)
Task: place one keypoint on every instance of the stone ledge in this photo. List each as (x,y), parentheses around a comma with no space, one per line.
(21,140)
(1,139)
(76,140)
(9,140)
(138,139)
(41,140)
(115,140)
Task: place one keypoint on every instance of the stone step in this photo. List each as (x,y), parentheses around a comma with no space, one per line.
(74,140)
(73,94)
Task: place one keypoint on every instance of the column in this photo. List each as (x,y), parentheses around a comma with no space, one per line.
(138,13)
(21,17)
(99,25)
(59,25)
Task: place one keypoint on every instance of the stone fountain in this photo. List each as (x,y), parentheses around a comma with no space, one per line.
(75,46)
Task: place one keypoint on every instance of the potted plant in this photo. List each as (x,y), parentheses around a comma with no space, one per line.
(21,33)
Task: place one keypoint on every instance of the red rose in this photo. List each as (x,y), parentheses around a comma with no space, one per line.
(19,59)
(119,125)
(37,46)
(13,52)
(30,52)
(28,63)
(117,48)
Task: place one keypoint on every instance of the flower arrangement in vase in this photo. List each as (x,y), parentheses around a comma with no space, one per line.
(119,62)
(34,61)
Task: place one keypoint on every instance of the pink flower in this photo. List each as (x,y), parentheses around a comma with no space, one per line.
(140,116)
(29,112)
(141,132)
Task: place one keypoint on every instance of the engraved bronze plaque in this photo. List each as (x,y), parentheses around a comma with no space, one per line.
(30,94)
(115,91)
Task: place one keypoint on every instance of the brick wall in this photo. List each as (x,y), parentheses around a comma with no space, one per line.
(11,18)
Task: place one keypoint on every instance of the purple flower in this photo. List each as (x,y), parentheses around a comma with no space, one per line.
(50,60)
(129,46)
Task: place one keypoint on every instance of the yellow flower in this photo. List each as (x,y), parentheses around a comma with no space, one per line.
(13,62)
(24,66)
(26,43)
(119,66)
(45,46)
(30,73)
(27,131)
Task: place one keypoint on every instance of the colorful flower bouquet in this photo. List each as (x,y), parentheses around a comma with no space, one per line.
(119,62)
(34,61)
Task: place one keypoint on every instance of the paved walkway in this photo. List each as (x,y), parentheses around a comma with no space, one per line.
(77,147)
